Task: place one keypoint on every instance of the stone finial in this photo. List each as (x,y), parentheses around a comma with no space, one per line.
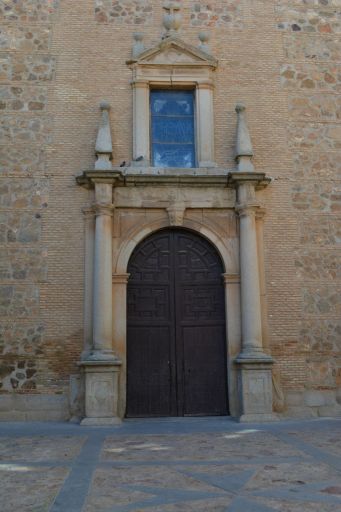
(138,46)
(103,142)
(172,18)
(204,37)
(244,151)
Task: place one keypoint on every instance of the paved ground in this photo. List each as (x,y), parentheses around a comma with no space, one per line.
(171,465)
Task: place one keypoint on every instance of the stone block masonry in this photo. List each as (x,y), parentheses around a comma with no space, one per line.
(27,70)
(311,77)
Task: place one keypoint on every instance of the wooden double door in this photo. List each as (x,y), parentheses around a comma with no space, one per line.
(176,337)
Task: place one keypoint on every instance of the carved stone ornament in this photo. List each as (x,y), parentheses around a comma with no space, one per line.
(172,18)
(176,214)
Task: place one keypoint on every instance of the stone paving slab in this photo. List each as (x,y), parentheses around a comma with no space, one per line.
(246,445)
(186,465)
(29,489)
(40,448)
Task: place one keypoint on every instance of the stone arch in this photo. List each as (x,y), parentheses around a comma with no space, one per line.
(139,233)
(229,257)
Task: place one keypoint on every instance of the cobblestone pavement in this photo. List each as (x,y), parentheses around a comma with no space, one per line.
(172,465)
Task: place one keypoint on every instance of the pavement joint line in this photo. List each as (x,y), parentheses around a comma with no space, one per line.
(316,453)
(37,464)
(73,493)
(189,462)
(243,504)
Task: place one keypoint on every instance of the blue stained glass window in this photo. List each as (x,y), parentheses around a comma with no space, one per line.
(172,128)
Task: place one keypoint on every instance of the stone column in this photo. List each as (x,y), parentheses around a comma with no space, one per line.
(254,379)
(119,293)
(250,290)
(102,307)
(205,124)
(233,330)
(260,212)
(101,367)
(89,240)
(141,151)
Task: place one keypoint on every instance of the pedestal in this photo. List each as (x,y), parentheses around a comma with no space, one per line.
(101,392)
(255,390)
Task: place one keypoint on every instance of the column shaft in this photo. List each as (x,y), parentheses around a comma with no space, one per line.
(89,235)
(102,307)
(250,291)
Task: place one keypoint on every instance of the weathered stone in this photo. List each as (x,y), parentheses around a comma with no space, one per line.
(324,230)
(19,300)
(19,376)
(294,398)
(313,398)
(32,67)
(20,263)
(25,38)
(311,3)
(23,98)
(317,165)
(23,192)
(21,227)
(312,48)
(315,135)
(321,335)
(29,10)
(321,372)
(218,12)
(21,159)
(315,264)
(316,107)
(308,20)
(130,12)
(311,77)
(315,196)
(23,129)
(322,300)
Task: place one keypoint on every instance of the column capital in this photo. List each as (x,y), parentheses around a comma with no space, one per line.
(140,82)
(88,212)
(104,209)
(207,84)
(247,209)
(260,213)
(258,179)
(120,278)
(231,278)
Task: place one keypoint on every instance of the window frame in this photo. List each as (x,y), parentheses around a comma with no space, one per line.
(173,64)
(194,122)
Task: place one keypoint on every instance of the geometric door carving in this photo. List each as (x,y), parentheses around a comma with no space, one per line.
(176,336)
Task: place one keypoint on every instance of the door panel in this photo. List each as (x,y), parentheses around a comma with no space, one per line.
(176,355)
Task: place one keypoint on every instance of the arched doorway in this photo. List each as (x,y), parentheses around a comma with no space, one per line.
(176,335)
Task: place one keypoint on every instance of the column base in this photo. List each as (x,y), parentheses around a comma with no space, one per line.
(255,388)
(257,418)
(100,355)
(100,422)
(101,392)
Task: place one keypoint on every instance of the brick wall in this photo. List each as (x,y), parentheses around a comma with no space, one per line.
(59,59)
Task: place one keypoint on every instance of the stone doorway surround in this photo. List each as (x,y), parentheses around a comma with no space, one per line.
(131,203)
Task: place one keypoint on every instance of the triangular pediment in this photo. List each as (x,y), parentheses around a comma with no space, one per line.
(173,51)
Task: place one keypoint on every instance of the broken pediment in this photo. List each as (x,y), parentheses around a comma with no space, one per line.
(173,51)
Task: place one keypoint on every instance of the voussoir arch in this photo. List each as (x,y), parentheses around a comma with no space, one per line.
(138,234)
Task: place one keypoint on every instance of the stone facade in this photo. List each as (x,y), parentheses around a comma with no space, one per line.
(57,61)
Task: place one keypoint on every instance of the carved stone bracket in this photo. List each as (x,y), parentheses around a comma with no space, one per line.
(176,214)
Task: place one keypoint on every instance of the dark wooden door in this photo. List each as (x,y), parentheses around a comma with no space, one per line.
(176,355)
